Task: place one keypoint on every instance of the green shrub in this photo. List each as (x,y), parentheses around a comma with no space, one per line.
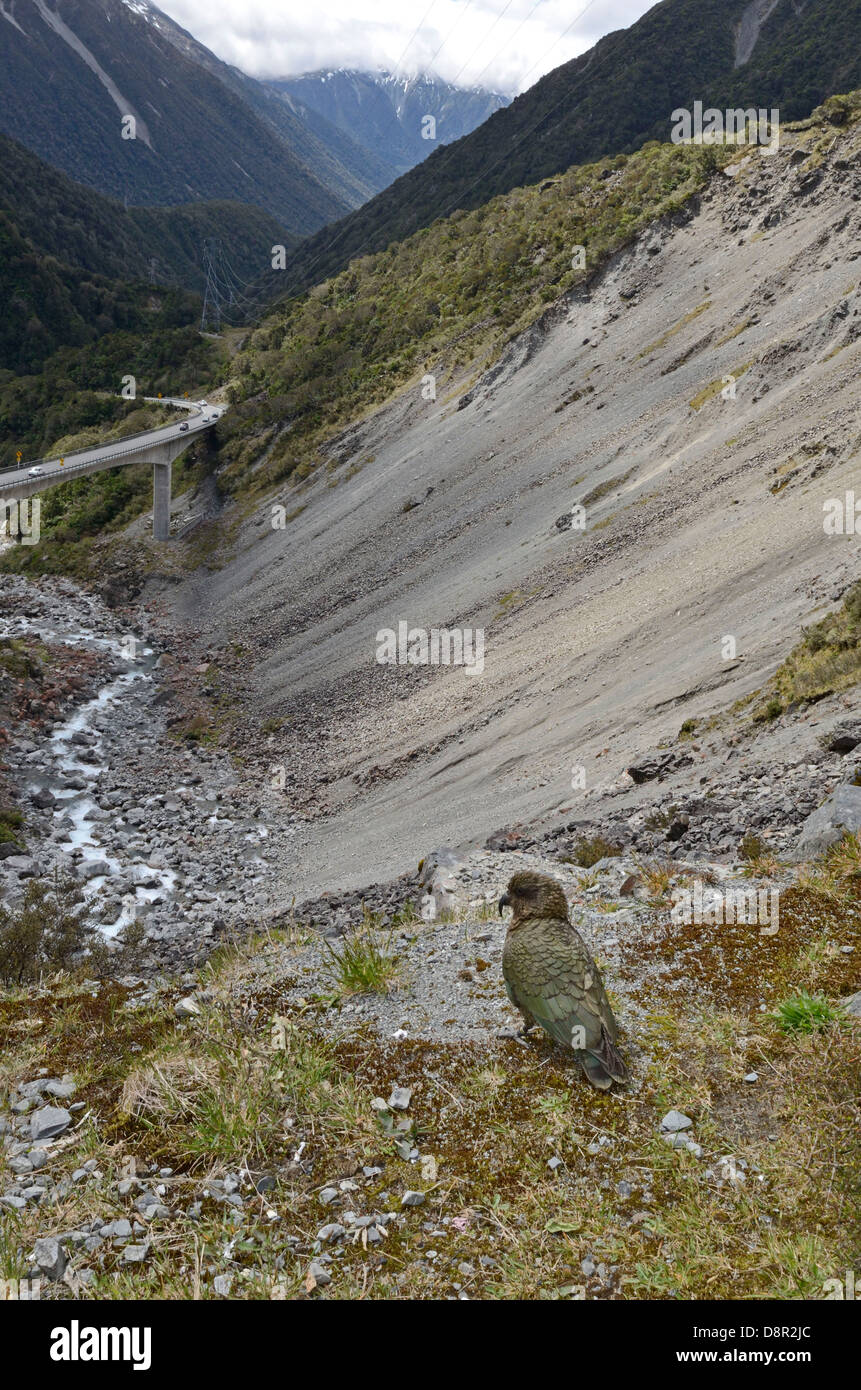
(48,932)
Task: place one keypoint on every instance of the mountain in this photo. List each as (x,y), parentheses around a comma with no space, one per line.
(71,70)
(789,54)
(70,223)
(695,396)
(385,113)
(76,265)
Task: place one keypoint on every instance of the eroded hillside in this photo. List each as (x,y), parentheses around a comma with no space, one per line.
(698,398)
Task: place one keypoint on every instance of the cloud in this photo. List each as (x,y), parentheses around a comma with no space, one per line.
(503,44)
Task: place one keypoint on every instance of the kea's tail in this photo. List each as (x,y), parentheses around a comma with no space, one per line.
(602,1064)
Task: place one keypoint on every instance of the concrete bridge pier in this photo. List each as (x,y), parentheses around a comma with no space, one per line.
(161,483)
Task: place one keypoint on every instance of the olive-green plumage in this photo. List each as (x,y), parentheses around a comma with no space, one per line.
(553,980)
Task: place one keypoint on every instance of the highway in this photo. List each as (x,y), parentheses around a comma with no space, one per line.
(120,451)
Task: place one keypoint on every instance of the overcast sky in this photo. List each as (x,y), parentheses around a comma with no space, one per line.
(503,44)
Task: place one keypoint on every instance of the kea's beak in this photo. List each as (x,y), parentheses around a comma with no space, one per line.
(504,901)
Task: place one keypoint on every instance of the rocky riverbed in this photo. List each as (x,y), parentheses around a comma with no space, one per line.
(152,828)
(195,841)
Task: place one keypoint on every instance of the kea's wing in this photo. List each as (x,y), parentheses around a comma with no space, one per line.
(551,976)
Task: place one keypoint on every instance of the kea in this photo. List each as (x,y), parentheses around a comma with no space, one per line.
(553,980)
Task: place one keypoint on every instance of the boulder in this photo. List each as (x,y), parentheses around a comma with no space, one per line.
(841,811)
(844,736)
(656,765)
(49,1122)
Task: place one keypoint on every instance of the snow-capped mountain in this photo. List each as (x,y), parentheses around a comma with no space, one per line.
(72,70)
(388,113)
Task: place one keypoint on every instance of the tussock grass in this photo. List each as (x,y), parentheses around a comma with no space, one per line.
(657,879)
(587,851)
(760,862)
(804,1013)
(363,964)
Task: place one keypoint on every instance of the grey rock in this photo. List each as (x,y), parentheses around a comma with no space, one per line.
(50,1257)
(135,1254)
(333,1231)
(844,736)
(319,1273)
(61,1090)
(674,1121)
(93,868)
(222,1284)
(117,1230)
(852,1005)
(23,865)
(413,1199)
(841,811)
(49,1122)
(400,1097)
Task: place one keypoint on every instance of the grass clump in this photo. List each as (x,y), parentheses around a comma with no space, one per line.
(804,1013)
(657,879)
(587,851)
(363,965)
(758,858)
(227,1090)
(836,874)
(11,822)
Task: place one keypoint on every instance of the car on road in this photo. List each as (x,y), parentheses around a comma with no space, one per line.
(184,425)
(36,472)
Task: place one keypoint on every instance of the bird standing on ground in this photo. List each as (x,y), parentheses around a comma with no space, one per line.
(553,980)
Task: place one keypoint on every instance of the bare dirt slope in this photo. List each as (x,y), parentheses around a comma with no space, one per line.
(598,643)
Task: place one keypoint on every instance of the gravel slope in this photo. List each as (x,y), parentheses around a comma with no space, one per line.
(598,643)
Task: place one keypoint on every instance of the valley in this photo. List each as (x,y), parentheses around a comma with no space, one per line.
(474,635)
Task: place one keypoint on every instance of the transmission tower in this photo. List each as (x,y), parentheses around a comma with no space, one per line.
(212,293)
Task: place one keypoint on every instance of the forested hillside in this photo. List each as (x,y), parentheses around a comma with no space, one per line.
(73,224)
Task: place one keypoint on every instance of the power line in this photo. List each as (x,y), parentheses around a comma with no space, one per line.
(211,295)
(503,12)
(228,298)
(412,36)
(450,32)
